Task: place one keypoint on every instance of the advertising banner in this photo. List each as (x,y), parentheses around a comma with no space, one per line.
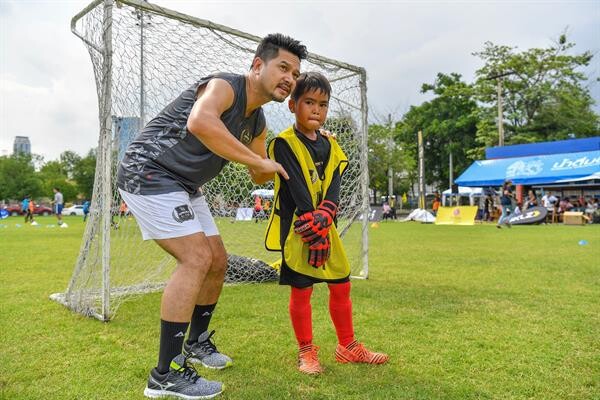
(461,215)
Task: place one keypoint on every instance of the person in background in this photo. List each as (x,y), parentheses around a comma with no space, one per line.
(25,207)
(531,200)
(436,204)
(86,210)
(30,210)
(58,204)
(506,204)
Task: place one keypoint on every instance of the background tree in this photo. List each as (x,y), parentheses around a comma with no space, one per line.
(69,161)
(18,178)
(84,172)
(543,91)
(52,174)
(449,124)
(386,151)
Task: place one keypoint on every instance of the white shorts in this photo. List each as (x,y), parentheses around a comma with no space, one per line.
(170,215)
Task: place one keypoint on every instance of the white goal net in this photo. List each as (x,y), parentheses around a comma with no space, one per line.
(143,57)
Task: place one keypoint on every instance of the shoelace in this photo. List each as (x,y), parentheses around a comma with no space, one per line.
(188,371)
(208,345)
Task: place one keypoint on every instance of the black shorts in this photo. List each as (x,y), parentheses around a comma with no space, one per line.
(288,276)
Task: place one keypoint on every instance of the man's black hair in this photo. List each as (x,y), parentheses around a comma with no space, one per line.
(309,81)
(270,45)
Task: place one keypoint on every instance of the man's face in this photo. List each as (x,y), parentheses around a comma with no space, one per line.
(278,75)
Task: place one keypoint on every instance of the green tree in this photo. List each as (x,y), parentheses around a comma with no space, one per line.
(449,124)
(84,173)
(543,92)
(18,178)
(386,152)
(69,160)
(52,174)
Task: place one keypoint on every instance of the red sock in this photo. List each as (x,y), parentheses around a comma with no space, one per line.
(301,315)
(340,309)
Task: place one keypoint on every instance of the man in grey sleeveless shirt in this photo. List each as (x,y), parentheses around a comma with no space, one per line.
(216,120)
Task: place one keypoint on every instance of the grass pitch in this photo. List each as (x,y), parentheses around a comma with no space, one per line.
(465,313)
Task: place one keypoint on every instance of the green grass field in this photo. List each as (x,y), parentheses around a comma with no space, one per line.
(465,313)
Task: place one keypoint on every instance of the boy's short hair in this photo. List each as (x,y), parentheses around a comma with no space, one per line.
(309,81)
(269,47)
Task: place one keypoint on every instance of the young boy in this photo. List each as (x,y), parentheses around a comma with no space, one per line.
(302,226)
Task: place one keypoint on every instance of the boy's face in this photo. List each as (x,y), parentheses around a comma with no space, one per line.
(278,75)
(311,110)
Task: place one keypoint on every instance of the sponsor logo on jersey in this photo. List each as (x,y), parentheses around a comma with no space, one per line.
(313,175)
(183,213)
(245,136)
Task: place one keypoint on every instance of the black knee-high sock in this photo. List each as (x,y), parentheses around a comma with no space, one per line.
(200,320)
(171,341)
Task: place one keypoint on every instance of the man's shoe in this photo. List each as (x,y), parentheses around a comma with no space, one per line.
(182,381)
(205,352)
(357,353)
(308,361)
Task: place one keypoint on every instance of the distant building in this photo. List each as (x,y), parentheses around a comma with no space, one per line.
(125,129)
(22,145)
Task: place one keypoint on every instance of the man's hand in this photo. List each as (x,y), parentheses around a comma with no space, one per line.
(328,134)
(318,252)
(268,166)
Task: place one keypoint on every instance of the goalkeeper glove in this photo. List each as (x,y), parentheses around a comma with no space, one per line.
(314,224)
(318,251)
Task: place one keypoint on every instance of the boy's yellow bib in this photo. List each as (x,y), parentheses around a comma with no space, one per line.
(295,251)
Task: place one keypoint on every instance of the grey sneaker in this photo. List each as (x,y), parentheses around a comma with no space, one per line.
(205,352)
(182,381)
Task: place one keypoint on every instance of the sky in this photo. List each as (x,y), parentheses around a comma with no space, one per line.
(47,88)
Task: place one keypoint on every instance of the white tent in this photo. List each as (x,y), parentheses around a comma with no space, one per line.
(420,215)
(464,191)
(269,193)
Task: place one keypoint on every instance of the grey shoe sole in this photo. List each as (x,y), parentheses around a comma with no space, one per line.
(157,394)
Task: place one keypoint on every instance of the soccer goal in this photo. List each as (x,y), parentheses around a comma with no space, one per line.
(143,56)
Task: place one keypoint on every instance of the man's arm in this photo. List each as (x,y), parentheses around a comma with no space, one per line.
(258,146)
(205,123)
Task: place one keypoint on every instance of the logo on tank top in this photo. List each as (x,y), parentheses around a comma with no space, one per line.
(245,136)
(183,213)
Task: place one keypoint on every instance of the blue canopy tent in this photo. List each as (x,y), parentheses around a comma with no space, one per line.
(539,169)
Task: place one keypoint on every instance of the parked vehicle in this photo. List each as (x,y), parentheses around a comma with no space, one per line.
(73,210)
(15,210)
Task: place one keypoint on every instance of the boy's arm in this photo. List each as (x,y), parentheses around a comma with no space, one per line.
(333,192)
(296,184)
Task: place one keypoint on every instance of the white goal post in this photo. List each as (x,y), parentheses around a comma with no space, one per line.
(143,56)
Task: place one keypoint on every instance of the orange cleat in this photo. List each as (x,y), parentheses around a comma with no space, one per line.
(357,353)
(308,361)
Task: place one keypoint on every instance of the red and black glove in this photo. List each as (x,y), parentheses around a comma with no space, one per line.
(315,224)
(318,251)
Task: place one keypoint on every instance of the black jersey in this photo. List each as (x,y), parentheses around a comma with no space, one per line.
(165,157)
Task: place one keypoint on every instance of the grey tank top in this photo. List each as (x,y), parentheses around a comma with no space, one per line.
(165,157)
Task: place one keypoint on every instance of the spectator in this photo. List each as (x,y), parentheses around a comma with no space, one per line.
(436,204)
(258,209)
(58,204)
(506,204)
(30,210)
(531,200)
(549,201)
(564,205)
(86,210)
(488,207)
(387,211)
(25,207)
